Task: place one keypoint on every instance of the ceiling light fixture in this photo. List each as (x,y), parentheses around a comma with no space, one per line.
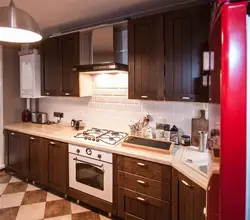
(17,26)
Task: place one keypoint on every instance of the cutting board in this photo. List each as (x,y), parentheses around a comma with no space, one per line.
(198,124)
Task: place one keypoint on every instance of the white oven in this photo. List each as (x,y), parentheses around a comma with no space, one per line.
(91,172)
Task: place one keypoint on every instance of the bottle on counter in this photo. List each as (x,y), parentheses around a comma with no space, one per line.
(174,135)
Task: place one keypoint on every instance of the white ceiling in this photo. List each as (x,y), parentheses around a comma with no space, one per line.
(61,13)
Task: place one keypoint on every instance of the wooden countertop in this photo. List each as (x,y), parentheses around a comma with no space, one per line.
(65,133)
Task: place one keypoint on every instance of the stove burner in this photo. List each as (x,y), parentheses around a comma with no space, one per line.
(115,133)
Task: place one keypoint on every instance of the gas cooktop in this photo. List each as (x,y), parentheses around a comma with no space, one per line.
(102,137)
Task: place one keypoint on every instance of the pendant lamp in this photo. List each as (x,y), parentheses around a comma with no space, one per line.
(17,26)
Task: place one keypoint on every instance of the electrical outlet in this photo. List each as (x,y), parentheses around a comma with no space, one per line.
(58,114)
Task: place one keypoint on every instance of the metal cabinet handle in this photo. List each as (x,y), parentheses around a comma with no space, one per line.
(32,138)
(12,133)
(47,93)
(67,93)
(142,182)
(185,183)
(141,164)
(141,199)
(186,98)
(53,143)
(74,69)
(144,96)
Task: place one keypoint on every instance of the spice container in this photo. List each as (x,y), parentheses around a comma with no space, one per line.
(159,131)
(185,140)
(166,132)
(174,135)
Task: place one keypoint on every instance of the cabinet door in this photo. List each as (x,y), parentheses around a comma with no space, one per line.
(146,55)
(57,165)
(70,58)
(51,67)
(188,199)
(35,158)
(186,38)
(13,152)
(135,206)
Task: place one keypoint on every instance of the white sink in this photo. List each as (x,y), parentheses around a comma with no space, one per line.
(196,160)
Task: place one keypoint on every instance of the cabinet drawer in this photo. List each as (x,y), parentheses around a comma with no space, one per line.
(145,169)
(146,186)
(135,206)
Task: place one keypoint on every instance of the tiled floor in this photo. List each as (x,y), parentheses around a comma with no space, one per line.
(23,201)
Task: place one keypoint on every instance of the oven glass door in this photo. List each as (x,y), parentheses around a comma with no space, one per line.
(89,174)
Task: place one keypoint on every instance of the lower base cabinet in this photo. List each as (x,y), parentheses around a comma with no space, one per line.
(40,160)
(57,165)
(188,199)
(136,206)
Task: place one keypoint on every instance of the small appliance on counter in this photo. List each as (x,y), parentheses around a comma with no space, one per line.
(77,124)
(39,117)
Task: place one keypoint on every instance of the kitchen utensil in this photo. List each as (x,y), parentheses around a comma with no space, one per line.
(185,140)
(202,141)
(174,135)
(198,124)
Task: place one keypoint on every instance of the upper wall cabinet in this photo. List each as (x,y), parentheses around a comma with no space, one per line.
(59,55)
(51,67)
(186,38)
(146,54)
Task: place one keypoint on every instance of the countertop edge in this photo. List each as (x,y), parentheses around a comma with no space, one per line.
(172,160)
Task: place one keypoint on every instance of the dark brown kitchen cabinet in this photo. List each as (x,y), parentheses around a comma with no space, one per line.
(51,67)
(57,165)
(14,153)
(146,54)
(70,57)
(59,55)
(143,189)
(186,37)
(188,199)
(36,156)
(136,206)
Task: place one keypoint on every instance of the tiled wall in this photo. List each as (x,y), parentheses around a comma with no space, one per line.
(110,108)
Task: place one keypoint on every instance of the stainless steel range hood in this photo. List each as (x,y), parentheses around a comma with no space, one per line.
(104,50)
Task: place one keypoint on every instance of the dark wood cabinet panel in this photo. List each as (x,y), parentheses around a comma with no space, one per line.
(57,165)
(70,57)
(135,206)
(145,186)
(186,38)
(188,199)
(146,169)
(36,152)
(146,55)
(13,153)
(59,55)
(51,67)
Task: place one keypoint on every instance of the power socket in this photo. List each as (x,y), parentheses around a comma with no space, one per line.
(58,114)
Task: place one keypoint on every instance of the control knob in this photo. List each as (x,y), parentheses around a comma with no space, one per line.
(88,151)
(99,156)
(78,151)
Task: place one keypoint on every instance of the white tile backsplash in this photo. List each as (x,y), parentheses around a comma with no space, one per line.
(110,107)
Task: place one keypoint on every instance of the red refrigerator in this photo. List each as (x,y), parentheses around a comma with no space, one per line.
(228,108)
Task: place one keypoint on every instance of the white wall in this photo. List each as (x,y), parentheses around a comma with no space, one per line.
(110,107)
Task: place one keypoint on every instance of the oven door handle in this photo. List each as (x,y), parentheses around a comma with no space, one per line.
(95,165)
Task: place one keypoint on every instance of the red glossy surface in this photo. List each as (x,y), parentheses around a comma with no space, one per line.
(233,112)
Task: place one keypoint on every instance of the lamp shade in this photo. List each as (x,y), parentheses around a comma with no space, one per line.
(17,26)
